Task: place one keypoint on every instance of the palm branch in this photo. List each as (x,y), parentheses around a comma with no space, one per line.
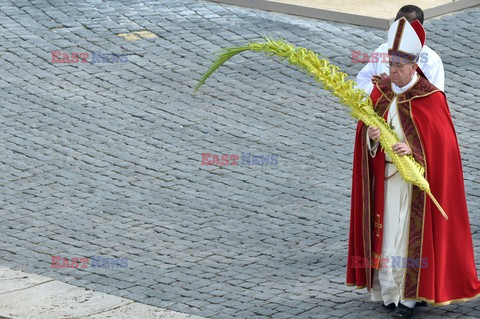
(335,81)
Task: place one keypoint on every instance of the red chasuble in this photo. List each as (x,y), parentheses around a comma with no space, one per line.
(443,268)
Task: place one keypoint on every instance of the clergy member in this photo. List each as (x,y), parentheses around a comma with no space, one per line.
(400,246)
(429,61)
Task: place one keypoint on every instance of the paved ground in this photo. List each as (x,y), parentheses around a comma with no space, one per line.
(105,159)
(20,293)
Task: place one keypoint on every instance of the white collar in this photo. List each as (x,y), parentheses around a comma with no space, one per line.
(398,90)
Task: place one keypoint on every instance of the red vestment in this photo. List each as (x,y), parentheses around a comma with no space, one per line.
(446,245)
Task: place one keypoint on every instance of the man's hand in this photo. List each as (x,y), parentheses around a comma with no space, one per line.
(374,133)
(401,149)
(378,77)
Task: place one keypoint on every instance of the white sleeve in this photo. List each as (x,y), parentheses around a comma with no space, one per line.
(364,77)
(372,148)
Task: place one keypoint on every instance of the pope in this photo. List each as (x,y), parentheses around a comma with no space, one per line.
(391,218)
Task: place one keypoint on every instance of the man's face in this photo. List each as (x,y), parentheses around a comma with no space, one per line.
(401,71)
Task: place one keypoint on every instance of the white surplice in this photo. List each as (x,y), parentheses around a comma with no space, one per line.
(388,282)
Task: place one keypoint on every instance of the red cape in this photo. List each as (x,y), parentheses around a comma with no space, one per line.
(447,273)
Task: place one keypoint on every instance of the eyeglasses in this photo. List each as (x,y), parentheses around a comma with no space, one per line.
(396,65)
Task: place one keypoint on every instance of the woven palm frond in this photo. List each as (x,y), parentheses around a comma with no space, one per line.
(335,81)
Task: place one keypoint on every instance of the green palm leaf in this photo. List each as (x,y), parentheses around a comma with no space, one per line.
(334,80)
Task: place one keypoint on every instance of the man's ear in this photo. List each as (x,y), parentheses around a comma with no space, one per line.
(415,67)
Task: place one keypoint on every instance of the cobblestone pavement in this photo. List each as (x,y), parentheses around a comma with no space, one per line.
(104,159)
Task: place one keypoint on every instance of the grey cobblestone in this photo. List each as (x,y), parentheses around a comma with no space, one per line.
(105,159)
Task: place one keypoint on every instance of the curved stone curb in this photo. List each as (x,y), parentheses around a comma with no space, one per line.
(302,9)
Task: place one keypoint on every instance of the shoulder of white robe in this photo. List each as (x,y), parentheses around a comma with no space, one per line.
(433,57)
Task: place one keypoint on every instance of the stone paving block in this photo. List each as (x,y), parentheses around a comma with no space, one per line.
(47,301)
(105,159)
